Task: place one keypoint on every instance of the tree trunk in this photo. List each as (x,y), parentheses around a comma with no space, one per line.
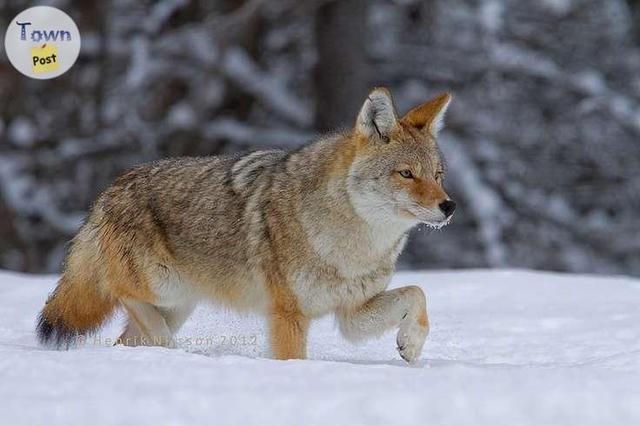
(342,73)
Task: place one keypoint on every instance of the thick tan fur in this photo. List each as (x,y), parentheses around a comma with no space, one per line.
(292,235)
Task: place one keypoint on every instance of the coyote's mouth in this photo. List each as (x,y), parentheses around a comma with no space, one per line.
(420,217)
(437,225)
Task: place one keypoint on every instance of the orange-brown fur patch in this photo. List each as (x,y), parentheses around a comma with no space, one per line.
(78,303)
(288,326)
(123,275)
(425,114)
(418,293)
(423,320)
(344,156)
(427,192)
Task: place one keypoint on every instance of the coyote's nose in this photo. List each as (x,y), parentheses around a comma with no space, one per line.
(447,207)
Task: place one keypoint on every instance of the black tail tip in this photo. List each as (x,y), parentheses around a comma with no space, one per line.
(55,335)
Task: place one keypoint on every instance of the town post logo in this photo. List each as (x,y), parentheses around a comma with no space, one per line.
(42,42)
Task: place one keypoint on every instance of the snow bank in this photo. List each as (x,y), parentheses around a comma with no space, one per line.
(506,347)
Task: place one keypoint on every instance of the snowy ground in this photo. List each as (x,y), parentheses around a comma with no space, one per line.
(507,347)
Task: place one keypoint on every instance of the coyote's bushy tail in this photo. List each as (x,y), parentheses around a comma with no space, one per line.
(79,304)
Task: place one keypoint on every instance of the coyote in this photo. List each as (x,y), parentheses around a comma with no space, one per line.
(292,235)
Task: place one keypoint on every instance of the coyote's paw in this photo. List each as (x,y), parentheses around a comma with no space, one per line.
(410,340)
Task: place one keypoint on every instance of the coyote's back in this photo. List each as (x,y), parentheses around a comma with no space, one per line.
(156,235)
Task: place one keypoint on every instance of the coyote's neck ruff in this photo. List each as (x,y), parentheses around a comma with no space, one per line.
(294,235)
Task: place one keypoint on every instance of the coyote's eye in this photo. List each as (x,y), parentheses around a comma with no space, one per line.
(406,173)
(439,174)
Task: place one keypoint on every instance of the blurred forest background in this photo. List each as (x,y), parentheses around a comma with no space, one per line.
(542,139)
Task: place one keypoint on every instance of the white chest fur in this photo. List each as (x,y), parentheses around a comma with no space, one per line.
(319,293)
(353,260)
(349,269)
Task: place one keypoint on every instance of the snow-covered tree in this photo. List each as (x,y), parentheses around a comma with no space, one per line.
(541,139)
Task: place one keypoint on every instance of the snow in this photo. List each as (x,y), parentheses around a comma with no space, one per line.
(506,347)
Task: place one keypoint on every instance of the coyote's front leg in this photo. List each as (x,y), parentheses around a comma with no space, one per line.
(288,334)
(288,325)
(403,307)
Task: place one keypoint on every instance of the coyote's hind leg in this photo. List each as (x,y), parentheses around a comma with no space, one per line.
(146,326)
(176,316)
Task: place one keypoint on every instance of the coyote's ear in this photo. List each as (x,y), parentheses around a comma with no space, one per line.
(430,115)
(377,117)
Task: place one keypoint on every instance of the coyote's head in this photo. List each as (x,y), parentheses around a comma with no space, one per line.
(397,173)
